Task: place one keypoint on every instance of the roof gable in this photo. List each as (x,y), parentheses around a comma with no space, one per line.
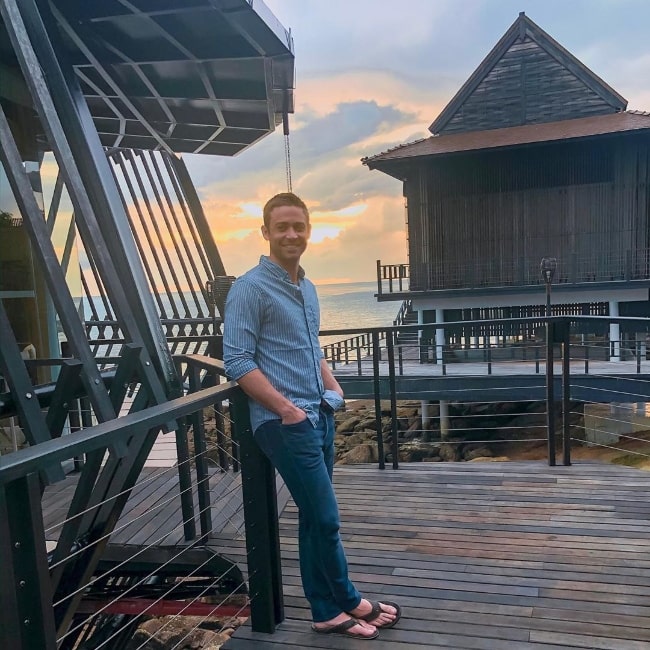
(527,78)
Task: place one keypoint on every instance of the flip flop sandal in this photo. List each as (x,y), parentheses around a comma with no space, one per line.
(377,610)
(344,629)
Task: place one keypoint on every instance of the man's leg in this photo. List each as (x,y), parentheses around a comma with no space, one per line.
(297,451)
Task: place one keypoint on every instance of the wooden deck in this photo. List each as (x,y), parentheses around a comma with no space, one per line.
(498,556)
(152,515)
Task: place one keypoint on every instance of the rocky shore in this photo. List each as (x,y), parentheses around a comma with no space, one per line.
(477,431)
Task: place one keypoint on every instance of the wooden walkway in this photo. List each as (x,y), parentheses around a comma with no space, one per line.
(486,556)
(152,515)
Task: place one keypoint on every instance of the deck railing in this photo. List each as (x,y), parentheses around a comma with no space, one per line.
(451,274)
(504,369)
(38,610)
(34,597)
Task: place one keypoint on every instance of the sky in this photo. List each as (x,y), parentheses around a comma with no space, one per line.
(372,74)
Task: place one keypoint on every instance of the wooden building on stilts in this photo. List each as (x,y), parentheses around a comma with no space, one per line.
(534,157)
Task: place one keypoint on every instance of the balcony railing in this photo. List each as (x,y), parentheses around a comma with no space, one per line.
(450,274)
(563,375)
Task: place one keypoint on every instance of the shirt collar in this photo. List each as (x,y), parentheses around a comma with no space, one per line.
(278,271)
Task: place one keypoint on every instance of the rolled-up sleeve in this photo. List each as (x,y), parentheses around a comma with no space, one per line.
(241,327)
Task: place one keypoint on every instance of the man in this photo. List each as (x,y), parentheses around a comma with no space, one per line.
(271,348)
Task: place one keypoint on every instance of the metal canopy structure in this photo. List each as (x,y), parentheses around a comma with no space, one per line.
(199,76)
(114,90)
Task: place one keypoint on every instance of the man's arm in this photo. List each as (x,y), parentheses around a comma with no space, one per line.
(258,387)
(329,381)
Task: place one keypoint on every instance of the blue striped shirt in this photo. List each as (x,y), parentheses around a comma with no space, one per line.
(272,324)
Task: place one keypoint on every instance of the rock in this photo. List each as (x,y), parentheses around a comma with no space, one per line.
(413,452)
(348,425)
(476,451)
(368,423)
(450,452)
(360,454)
(489,459)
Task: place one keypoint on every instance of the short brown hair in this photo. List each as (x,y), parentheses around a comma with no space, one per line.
(284,198)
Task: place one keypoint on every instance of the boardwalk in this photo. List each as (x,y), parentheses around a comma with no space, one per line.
(487,556)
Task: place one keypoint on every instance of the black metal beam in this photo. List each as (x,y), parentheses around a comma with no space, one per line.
(26,615)
(86,172)
(43,250)
(106,434)
(261,520)
(12,367)
(67,385)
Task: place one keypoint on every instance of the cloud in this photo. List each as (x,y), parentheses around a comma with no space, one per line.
(370,76)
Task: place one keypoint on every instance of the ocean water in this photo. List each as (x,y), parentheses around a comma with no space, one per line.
(342,306)
(352,305)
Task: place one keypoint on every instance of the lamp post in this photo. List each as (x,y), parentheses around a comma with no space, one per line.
(547,268)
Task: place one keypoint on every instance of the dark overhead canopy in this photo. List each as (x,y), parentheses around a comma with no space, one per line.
(202,76)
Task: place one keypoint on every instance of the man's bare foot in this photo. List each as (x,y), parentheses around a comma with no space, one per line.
(377,614)
(360,629)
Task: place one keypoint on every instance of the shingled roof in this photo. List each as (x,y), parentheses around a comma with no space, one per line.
(527,78)
(598,125)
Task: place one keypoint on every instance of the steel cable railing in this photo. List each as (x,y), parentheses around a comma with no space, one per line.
(134,587)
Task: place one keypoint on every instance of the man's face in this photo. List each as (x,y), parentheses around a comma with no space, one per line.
(287,234)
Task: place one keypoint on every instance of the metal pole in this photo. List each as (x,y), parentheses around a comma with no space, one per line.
(550,399)
(377,391)
(566,394)
(261,521)
(393,401)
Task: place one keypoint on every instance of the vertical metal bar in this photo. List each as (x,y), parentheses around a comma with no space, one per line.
(185,478)
(377,392)
(193,281)
(170,266)
(67,384)
(261,522)
(152,253)
(550,398)
(566,394)
(400,356)
(75,425)
(221,437)
(587,348)
(393,402)
(11,623)
(198,221)
(358,356)
(20,508)
(637,354)
(379,283)
(200,459)
(191,255)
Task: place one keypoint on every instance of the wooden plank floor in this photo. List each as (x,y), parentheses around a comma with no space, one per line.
(487,556)
(152,515)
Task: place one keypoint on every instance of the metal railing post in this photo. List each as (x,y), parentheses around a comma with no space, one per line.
(566,394)
(26,612)
(261,523)
(550,399)
(393,401)
(200,459)
(379,282)
(377,392)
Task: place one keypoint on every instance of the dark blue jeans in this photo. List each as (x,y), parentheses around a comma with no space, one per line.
(304,457)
